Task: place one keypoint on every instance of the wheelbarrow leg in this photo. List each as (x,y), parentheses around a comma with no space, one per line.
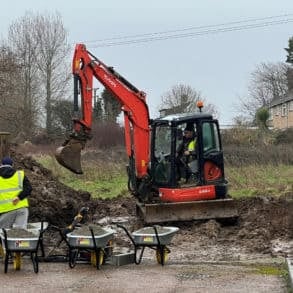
(73,253)
(6,260)
(138,261)
(35,261)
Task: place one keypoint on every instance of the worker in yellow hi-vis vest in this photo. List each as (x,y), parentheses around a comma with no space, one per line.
(14,190)
(186,159)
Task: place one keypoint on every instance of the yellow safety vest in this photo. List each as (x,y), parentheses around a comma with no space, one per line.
(191,145)
(9,189)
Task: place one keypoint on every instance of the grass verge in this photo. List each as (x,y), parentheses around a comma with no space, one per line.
(108,179)
(254,180)
(102,180)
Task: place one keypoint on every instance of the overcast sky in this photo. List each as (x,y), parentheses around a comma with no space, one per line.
(216,64)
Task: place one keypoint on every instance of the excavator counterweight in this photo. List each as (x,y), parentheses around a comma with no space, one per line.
(69,155)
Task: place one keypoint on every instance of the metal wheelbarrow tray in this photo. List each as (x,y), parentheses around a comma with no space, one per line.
(20,243)
(16,241)
(90,240)
(147,235)
(155,237)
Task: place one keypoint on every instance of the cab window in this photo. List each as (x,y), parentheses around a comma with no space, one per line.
(210,137)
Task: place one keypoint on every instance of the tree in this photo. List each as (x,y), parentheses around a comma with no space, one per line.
(182,99)
(112,107)
(290,61)
(40,45)
(62,114)
(97,107)
(268,82)
(12,118)
(262,116)
(52,53)
(290,51)
(24,46)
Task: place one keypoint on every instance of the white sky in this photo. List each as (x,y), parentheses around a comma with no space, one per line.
(217,65)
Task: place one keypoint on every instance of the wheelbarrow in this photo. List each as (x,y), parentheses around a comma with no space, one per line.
(154,237)
(28,241)
(97,243)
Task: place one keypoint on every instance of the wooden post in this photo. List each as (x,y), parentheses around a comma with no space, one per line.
(4,144)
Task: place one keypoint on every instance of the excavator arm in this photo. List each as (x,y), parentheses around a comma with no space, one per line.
(86,67)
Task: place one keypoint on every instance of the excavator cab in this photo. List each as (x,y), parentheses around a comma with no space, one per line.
(203,166)
(201,195)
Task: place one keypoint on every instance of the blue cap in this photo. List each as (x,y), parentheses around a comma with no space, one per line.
(7,161)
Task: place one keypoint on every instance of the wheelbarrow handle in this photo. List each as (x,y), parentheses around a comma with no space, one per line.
(128,234)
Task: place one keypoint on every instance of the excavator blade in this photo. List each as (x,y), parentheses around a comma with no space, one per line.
(69,155)
(188,211)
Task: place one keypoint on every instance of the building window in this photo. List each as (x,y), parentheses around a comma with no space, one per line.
(277,110)
(284,110)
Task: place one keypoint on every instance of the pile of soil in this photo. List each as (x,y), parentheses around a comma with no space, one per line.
(263,221)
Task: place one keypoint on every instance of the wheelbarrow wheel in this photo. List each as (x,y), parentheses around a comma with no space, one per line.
(162,255)
(17,261)
(97,260)
(73,253)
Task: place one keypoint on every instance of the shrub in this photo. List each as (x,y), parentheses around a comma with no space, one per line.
(106,134)
(284,136)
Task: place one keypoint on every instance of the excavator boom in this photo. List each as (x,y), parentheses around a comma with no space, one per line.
(86,67)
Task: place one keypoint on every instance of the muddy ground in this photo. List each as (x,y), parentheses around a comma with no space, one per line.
(264,222)
(264,228)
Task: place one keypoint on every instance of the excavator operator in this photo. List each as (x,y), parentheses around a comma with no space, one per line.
(186,154)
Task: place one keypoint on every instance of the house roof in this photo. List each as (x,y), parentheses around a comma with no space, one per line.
(279,101)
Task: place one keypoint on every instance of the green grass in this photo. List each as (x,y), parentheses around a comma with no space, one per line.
(102,180)
(255,180)
(275,270)
(108,180)
(271,270)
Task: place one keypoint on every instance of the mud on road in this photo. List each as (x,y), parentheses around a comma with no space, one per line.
(263,233)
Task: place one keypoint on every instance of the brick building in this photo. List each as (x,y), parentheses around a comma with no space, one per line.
(281,112)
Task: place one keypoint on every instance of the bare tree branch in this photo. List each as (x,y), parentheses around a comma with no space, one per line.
(182,99)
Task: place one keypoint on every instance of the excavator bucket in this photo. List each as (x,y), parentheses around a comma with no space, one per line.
(69,155)
(187,211)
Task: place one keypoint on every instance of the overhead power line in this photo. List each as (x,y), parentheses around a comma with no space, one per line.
(251,23)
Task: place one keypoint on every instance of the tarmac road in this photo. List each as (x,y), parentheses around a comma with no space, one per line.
(146,277)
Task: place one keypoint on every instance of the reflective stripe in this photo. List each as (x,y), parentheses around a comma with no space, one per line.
(5,201)
(10,189)
(20,181)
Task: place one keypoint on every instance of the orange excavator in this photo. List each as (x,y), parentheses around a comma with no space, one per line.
(163,190)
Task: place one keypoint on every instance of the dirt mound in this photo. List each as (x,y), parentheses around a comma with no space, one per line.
(262,219)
